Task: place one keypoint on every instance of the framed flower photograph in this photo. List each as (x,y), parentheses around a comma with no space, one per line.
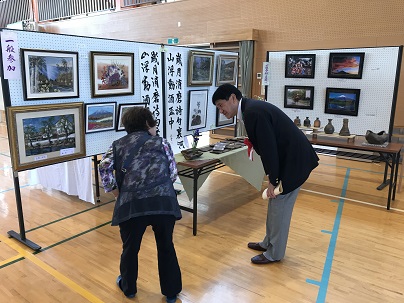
(298,97)
(121,111)
(100,117)
(221,119)
(346,65)
(300,66)
(342,101)
(48,74)
(227,70)
(111,74)
(197,109)
(45,134)
(200,68)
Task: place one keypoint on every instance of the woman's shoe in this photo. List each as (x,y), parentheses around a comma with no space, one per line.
(118,282)
(171,299)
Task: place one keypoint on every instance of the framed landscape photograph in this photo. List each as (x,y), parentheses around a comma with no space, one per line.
(111,74)
(200,68)
(298,97)
(100,117)
(342,101)
(49,74)
(227,70)
(346,65)
(221,119)
(300,66)
(45,134)
(197,109)
(121,111)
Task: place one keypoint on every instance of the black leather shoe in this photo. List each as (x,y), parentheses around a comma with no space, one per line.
(261,259)
(256,246)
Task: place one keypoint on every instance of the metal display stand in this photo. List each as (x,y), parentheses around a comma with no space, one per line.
(20,236)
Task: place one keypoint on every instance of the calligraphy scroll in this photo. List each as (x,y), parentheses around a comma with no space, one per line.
(175,70)
(151,82)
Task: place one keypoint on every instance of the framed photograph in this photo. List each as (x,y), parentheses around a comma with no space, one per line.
(342,101)
(197,109)
(298,97)
(111,74)
(221,119)
(346,65)
(121,110)
(200,68)
(49,74)
(100,117)
(300,66)
(45,134)
(227,70)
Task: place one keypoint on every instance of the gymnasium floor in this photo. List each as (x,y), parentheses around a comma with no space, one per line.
(344,246)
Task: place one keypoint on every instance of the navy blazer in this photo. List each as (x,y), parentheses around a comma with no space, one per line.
(286,153)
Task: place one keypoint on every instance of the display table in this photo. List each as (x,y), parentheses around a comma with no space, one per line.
(390,155)
(193,173)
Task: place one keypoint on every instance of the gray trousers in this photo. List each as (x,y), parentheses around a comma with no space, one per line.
(277,228)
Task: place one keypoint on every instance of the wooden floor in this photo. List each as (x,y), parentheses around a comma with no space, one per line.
(344,246)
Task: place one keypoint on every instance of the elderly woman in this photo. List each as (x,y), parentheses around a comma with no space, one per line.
(145,170)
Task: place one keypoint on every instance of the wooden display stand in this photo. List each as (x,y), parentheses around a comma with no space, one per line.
(324,136)
(315,133)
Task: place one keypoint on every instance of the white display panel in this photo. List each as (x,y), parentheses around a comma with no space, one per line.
(98,142)
(376,87)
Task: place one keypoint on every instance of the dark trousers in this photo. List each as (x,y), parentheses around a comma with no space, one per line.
(131,234)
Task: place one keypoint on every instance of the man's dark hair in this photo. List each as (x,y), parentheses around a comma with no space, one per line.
(224,91)
(138,118)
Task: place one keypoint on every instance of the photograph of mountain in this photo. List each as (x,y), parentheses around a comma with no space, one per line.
(346,65)
(342,101)
(100,117)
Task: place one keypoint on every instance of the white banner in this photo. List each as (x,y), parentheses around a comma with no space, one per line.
(10,55)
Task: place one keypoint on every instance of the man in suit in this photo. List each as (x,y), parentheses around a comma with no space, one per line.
(286,156)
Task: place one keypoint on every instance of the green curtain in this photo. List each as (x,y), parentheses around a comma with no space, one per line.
(246,68)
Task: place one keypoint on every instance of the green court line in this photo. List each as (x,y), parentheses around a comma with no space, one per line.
(57,243)
(69,216)
(71,238)
(12,262)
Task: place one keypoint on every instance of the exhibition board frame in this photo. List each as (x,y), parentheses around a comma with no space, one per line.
(159,79)
(377,78)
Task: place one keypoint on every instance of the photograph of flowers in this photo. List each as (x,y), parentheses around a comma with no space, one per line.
(111,74)
(300,66)
(346,65)
(49,74)
(100,117)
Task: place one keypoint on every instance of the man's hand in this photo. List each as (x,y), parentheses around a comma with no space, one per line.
(270,191)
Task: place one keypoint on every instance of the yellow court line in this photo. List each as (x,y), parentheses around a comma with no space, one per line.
(65,280)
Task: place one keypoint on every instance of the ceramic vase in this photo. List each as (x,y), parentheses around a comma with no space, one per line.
(306,122)
(297,121)
(317,122)
(329,128)
(344,130)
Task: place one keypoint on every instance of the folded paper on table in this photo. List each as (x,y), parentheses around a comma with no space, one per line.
(278,190)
